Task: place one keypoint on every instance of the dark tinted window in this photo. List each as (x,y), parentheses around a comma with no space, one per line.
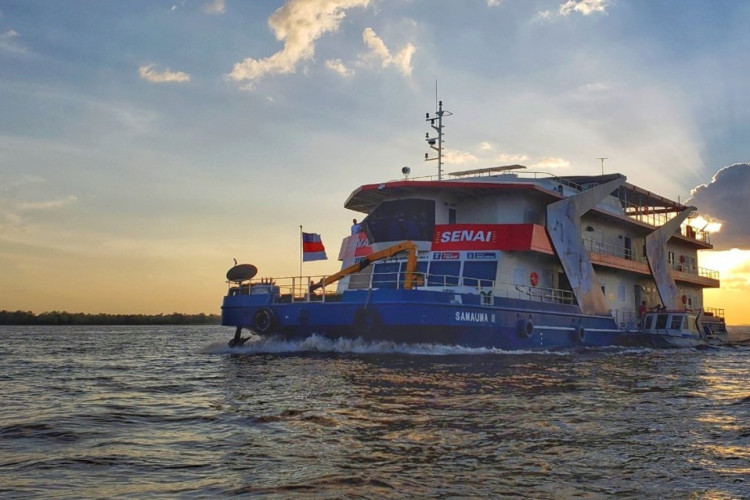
(476,271)
(401,220)
(385,275)
(444,273)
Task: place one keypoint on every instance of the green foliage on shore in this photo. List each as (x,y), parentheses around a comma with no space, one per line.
(66,318)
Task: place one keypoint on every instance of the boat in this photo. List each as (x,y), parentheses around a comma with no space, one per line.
(683,328)
(498,257)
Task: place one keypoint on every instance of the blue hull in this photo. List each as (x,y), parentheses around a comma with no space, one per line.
(419,316)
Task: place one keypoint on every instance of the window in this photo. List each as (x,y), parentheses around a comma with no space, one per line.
(661,321)
(451,216)
(677,322)
(444,273)
(401,220)
(421,271)
(480,273)
(385,275)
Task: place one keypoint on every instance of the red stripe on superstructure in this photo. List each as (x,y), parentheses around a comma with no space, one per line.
(507,237)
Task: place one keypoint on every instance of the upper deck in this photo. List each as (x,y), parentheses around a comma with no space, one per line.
(631,204)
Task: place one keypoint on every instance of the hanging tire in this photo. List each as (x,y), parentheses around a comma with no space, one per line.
(579,334)
(264,321)
(525,328)
(366,320)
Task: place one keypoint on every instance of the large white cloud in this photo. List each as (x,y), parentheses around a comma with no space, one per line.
(726,199)
(299,24)
(380,52)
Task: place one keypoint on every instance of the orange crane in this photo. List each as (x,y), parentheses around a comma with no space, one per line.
(410,276)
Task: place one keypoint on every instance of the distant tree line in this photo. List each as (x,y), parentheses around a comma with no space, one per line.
(66,318)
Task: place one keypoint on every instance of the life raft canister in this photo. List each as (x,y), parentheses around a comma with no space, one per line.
(264,321)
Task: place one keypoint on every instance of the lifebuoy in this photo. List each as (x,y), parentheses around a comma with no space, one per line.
(534,279)
(525,327)
(264,321)
(682,258)
(366,320)
(684,299)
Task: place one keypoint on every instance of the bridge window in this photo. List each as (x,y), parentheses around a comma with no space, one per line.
(444,273)
(480,273)
(385,275)
(401,220)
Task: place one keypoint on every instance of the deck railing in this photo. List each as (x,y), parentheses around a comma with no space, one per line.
(297,288)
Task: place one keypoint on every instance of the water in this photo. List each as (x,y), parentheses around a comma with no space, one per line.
(165,412)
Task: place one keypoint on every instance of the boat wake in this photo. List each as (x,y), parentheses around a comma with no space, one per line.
(317,343)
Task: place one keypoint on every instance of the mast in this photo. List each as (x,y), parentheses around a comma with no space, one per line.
(436,143)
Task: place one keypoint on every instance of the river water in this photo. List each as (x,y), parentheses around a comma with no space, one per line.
(165,412)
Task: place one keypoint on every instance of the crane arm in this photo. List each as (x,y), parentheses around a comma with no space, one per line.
(411,265)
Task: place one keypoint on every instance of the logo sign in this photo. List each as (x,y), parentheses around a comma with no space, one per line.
(465,237)
(445,256)
(481,255)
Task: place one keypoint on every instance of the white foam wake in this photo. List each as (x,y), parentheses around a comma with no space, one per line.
(317,343)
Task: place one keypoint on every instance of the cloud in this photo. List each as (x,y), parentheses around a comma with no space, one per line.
(550,162)
(458,157)
(725,200)
(148,73)
(379,52)
(215,7)
(299,24)
(337,66)
(47,204)
(8,42)
(585,7)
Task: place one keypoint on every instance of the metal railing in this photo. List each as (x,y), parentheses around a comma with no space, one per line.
(297,288)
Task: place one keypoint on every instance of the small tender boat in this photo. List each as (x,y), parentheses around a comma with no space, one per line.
(495,257)
(672,329)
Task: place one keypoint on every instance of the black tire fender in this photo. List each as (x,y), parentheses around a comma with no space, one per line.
(579,333)
(264,321)
(525,327)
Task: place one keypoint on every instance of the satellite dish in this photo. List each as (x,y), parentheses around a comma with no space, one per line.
(242,272)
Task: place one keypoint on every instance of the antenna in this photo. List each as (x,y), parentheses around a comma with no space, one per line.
(602,158)
(436,143)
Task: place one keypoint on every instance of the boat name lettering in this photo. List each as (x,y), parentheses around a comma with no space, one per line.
(475,317)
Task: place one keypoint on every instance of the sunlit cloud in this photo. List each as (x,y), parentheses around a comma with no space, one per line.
(299,24)
(550,162)
(458,157)
(380,52)
(725,201)
(337,66)
(149,74)
(215,7)
(585,7)
(508,159)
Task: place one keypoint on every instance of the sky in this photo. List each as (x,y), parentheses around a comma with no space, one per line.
(146,144)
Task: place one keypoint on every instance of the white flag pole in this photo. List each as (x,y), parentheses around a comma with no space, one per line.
(300,253)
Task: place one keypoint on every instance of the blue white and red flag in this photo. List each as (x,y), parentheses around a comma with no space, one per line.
(312,247)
